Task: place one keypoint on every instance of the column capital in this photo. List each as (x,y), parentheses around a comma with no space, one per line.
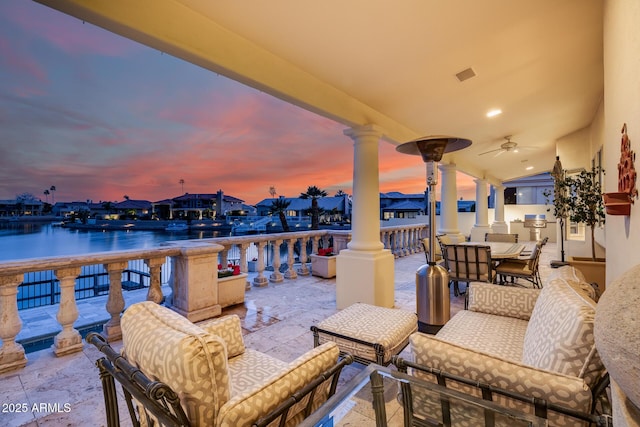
(370,130)
(480,181)
(447,166)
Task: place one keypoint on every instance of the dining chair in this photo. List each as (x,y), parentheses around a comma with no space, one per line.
(438,259)
(501,237)
(522,269)
(468,263)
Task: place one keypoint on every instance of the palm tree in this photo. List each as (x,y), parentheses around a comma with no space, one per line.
(181,182)
(46,193)
(53,197)
(314,193)
(279,207)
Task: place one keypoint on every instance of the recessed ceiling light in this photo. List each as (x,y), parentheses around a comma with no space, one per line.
(529,168)
(494,112)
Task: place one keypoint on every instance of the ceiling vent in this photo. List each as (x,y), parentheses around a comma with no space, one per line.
(466,74)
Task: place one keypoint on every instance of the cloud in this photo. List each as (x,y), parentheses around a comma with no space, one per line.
(80,111)
(65,32)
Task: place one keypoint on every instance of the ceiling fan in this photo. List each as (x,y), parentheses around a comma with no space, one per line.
(506,146)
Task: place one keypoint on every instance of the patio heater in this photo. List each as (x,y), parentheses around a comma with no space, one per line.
(432,280)
(558,174)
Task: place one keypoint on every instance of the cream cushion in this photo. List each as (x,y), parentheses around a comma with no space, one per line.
(559,336)
(388,327)
(169,348)
(502,300)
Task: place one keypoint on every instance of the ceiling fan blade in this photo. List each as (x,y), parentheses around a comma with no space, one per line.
(491,151)
(500,152)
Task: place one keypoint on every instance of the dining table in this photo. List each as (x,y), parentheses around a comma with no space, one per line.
(500,250)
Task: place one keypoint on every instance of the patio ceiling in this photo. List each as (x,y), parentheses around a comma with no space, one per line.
(395,63)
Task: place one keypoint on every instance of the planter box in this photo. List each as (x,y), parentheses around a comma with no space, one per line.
(231,289)
(323,266)
(594,271)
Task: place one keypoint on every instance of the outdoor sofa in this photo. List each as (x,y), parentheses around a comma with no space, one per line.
(538,343)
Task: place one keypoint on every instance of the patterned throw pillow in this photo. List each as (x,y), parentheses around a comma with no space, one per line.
(502,300)
(559,336)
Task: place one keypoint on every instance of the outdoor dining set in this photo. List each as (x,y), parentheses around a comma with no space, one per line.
(499,258)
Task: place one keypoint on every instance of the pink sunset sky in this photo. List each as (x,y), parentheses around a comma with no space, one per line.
(99,117)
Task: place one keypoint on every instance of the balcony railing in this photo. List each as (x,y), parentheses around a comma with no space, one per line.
(279,256)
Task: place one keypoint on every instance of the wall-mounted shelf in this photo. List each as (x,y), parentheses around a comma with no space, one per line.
(617,203)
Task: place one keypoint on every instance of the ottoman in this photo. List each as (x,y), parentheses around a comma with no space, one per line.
(367,332)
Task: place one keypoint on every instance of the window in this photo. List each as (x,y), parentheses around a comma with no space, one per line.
(576,231)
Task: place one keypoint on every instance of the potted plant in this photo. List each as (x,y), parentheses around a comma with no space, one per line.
(579,197)
(252,265)
(231,285)
(323,263)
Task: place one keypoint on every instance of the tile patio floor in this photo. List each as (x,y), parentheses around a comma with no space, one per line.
(275,319)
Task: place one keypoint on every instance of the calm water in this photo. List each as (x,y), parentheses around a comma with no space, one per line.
(21,241)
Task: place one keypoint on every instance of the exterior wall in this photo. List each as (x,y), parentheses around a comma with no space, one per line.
(622,105)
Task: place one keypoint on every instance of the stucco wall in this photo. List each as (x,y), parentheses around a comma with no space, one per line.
(621,105)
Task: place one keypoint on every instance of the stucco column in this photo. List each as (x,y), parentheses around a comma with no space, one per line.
(449,200)
(481,226)
(499,225)
(365,270)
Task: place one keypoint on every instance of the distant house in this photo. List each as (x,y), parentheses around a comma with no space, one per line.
(133,208)
(18,207)
(398,205)
(67,209)
(199,206)
(528,190)
(335,208)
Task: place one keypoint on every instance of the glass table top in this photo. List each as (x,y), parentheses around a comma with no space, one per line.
(380,396)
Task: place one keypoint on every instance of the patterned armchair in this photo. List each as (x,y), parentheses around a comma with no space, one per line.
(537,343)
(217,381)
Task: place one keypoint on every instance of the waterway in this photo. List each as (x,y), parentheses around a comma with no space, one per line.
(39,240)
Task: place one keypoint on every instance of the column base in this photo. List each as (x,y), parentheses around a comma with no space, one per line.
(260,282)
(112,332)
(12,358)
(365,276)
(500,227)
(201,314)
(276,277)
(70,343)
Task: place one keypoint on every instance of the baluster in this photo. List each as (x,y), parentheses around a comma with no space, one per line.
(115,301)
(243,256)
(260,280)
(276,276)
(304,269)
(69,339)
(12,354)
(314,244)
(412,240)
(224,256)
(385,239)
(405,246)
(392,243)
(290,273)
(325,241)
(155,279)
(244,267)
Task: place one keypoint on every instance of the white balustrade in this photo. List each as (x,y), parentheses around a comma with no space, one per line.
(193,261)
